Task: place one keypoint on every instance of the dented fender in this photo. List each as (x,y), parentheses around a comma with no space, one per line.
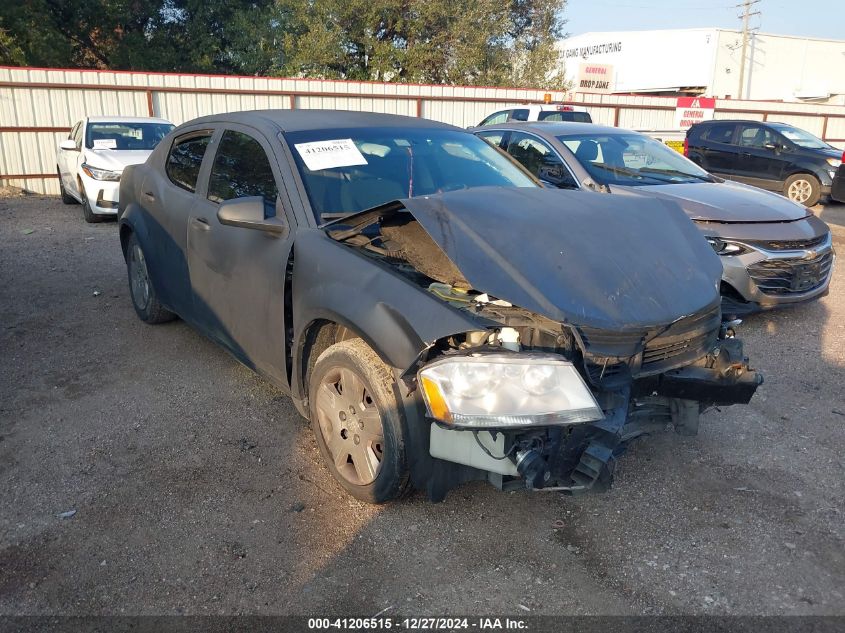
(396,318)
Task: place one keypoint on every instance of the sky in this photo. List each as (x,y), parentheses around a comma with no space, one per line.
(807,18)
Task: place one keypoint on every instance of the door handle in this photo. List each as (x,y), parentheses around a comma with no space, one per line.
(200,223)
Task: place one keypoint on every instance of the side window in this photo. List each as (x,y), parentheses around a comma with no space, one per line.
(241,169)
(497,117)
(494,137)
(720,133)
(756,136)
(519,115)
(185,159)
(540,159)
(76,135)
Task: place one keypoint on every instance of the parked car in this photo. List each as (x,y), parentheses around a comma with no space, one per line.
(436,314)
(773,156)
(92,158)
(540,112)
(774,252)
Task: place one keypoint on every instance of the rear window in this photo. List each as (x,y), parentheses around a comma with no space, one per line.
(185,159)
(575,117)
(720,133)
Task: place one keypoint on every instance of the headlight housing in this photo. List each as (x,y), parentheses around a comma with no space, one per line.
(100,174)
(834,162)
(506,391)
(724,248)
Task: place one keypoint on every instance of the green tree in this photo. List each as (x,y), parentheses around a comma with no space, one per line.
(434,41)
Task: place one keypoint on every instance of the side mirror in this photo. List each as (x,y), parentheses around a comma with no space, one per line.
(248,213)
(68,144)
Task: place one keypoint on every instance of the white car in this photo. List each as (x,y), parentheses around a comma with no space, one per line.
(92,158)
(540,112)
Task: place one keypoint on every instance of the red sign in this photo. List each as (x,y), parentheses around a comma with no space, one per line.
(692,110)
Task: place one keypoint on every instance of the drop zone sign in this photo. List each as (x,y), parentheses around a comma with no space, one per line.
(692,110)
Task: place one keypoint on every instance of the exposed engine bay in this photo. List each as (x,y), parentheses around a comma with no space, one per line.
(643,374)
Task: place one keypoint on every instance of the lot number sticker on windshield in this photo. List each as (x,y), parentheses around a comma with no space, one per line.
(327,154)
(105,143)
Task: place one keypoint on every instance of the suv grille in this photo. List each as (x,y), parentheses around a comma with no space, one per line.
(782,277)
(795,245)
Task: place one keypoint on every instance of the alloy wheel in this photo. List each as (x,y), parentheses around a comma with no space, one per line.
(800,191)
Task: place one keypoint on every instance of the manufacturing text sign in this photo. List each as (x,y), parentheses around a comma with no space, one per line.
(595,78)
(692,110)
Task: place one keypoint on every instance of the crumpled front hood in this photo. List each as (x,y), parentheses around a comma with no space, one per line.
(116,159)
(612,262)
(725,202)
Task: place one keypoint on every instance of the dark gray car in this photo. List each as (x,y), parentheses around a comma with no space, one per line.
(774,252)
(436,314)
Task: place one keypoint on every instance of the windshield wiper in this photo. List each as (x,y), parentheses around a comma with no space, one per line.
(676,172)
(626,171)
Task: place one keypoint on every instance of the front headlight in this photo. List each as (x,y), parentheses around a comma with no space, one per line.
(726,248)
(100,174)
(506,391)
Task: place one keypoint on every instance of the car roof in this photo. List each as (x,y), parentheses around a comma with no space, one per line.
(556,128)
(271,121)
(118,118)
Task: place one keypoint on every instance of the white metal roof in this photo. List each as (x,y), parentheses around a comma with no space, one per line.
(118,118)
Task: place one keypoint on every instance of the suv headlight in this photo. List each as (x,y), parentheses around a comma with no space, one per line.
(723,247)
(100,174)
(506,391)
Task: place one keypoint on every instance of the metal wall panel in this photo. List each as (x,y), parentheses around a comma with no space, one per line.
(57,98)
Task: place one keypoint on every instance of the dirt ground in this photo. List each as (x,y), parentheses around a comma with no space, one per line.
(198,489)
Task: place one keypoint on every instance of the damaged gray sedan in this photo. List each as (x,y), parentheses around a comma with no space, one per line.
(436,314)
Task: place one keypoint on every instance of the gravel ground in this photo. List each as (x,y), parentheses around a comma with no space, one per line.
(198,489)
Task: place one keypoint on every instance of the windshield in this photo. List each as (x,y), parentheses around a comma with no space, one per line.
(800,137)
(632,159)
(351,170)
(125,135)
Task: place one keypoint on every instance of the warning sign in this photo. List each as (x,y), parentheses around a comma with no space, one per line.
(595,78)
(692,110)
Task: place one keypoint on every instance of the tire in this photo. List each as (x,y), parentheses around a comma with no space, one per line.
(66,197)
(804,189)
(90,216)
(144,299)
(364,452)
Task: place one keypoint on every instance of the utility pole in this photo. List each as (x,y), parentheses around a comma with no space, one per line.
(747,5)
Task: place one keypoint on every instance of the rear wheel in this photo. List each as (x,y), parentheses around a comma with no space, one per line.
(144,299)
(90,216)
(356,420)
(66,197)
(804,189)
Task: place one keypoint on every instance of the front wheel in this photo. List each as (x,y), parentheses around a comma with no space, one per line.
(355,415)
(803,189)
(144,298)
(90,216)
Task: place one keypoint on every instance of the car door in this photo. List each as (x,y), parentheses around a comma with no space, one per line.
(68,161)
(719,154)
(762,159)
(238,275)
(538,157)
(168,193)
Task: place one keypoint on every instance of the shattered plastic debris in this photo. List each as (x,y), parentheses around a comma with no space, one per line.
(96,293)
(67,514)
(27,231)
